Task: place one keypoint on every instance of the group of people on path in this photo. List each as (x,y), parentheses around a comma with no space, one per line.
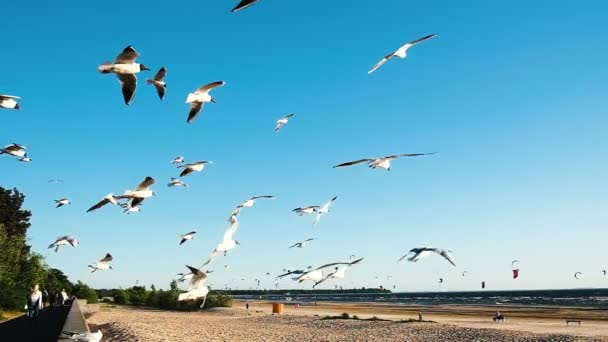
(37,300)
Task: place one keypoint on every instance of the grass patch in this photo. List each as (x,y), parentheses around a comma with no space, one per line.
(373,319)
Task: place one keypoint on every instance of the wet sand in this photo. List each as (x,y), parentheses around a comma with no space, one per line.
(301,324)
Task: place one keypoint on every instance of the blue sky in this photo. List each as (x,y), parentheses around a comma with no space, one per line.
(512,97)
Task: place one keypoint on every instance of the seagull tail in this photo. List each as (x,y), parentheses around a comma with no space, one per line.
(105,68)
(191,98)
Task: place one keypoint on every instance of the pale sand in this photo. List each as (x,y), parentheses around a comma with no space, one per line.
(235,324)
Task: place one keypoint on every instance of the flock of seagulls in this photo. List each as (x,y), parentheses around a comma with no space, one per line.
(126,67)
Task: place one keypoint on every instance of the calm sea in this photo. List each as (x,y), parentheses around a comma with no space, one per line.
(589,298)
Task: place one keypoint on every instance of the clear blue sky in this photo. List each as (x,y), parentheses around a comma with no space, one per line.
(512,96)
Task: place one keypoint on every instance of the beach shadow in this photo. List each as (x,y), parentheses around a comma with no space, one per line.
(47,327)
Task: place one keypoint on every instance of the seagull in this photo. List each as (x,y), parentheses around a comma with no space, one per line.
(323,210)
(401,52)
(84,337)
(15,150)
(577,274)
(290,272)
(243,4)
(159,82)
(129,208)
(604,271)
(178,160)
(382,162)
(251,202)
(64,241)
(338,273)
(25,159)
(177,182)
(199,97)
(109,198)
(192,167)
(103,264)
(187,236)
(125,68)
(142,192)
(301,244)
(282,122)
(55,181)
(62,201)
(198,286)
(184,276)
(228,242)
(9,102)
(306,210)
(316,274)
(423,252)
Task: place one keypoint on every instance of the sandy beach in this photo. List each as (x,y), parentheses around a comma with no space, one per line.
(307,324)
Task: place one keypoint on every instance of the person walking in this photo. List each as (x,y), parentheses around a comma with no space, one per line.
(64,296)
(34,302)
(45,298)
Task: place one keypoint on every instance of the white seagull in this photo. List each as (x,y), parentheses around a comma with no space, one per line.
(142,192)
(382,162)
(198,286)
(109,198)
(184,276)
(159,82)
(129,208)
(125,68)
(15,150)
(178,160)
(301,244)
(401,52)
(338,273)
(199,97)
(177,182)
(193,167)
(103,264)
(423,252)
(64,241)
(316,274)
(9,102)
(84,337)
(62,201)
(243,4)
(282,122)
(228,242)
(187,236)
(324,210)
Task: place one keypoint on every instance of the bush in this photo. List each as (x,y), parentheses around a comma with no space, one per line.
(121,297)
(83,291)
(218,301)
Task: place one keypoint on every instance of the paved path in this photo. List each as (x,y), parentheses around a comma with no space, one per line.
(44,329)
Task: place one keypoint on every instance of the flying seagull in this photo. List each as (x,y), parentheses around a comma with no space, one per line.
(142,192)
(64,241)
(198,286)
(290,272)
(306,210)
(251,202)
(401,52)
(228,242)
(178,160)
(177,182)
(338,273)
(199,97)
(382,162)
(15,150)
(109,198)
(184,276)
(422,252)
(316,274)
(243,4)
(324,210)
(103,264)
(129,209)
(187,236)
(62,201)
(193,167)
(159,82)
(576,275)
(9,102)
(125,68)
(301,244)
(604,272)
(55,181)
(282,122)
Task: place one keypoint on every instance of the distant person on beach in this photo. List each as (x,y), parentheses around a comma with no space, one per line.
(64,296)
(247,306)
(34,302)
(45,298)
(420,317)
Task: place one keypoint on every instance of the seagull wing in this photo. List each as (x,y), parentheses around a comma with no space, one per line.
(194,110)
(136,201)
(290,273)
(408,155)
(263,196)
(147,182)
(420,40)
(292,246)
(161,90)
(447,256)
(330,265)
(323,279)
(127,56)
(243,4)
(355,162)
(208,87)
(186,172)
(229,234)
(107,258)
(9,97)
(128,83)
(212,258)
(182,242)
(99,205)
(160,75)
(380,63)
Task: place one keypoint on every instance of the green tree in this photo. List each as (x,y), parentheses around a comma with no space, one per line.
(83,291)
